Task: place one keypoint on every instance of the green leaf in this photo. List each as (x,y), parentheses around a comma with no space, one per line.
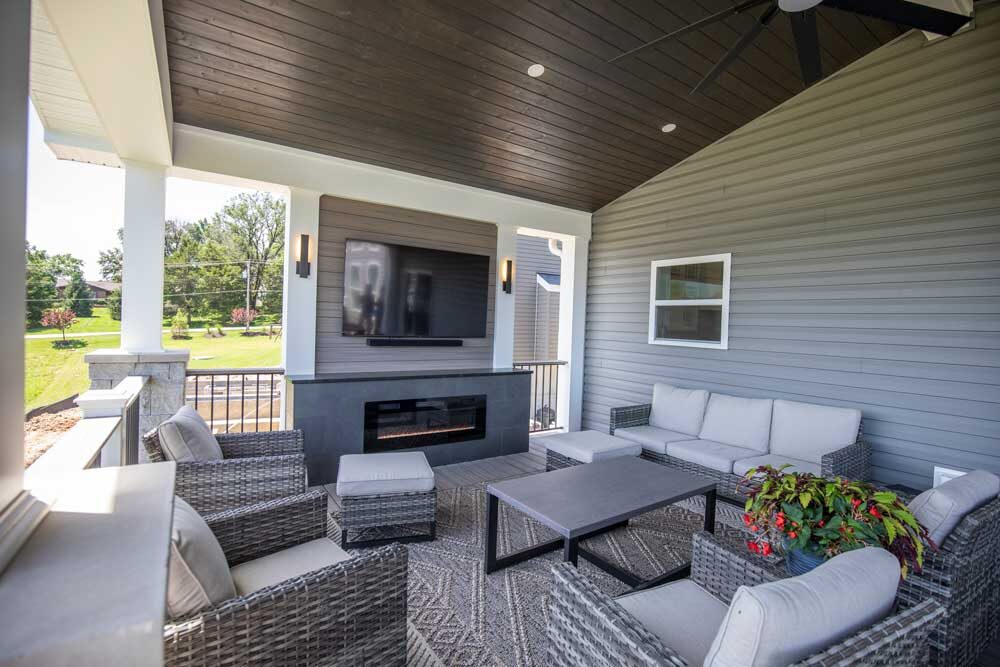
(805,498)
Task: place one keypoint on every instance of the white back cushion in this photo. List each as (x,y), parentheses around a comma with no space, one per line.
(198,574)
(677,409)
(186,437)
(942,508)
(741,422)
(785,621)
(807,431)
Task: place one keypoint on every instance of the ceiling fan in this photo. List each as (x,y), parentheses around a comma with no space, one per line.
(802,14)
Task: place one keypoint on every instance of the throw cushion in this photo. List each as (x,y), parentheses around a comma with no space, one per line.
(650,437)
(186,437)
(741,422)
(942,508)
(782,622)
(714,455)
(807,431)
(286,564)
(677,409)
(682,614)
(198,575)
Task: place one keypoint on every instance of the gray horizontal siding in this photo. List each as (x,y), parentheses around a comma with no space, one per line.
(341,219)
(533,257)
(864,220)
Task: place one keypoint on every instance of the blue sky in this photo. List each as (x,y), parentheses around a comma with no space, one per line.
(76,208)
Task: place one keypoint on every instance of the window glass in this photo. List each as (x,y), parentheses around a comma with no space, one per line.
(697,323)
(689,281)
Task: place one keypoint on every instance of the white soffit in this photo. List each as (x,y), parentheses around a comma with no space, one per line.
(72,129)
(956,6)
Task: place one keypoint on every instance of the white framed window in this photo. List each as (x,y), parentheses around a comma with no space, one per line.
(689,301)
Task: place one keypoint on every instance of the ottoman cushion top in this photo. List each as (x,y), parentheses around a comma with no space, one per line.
(384,474)
(590,446)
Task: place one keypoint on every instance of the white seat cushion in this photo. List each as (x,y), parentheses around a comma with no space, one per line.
(784,621)
(798,465)
(197,573)
(590,446)
(682,614)
(807,431)
(186,437)
(650,437)
(942,508)
(740,422)
(676,409)
(715,455)
(286,564)
(384,474)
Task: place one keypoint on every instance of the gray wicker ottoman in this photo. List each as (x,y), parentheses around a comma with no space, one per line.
(570,449)
(385,490)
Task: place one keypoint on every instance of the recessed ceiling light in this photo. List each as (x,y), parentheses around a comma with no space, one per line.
(536,70)
(669,127)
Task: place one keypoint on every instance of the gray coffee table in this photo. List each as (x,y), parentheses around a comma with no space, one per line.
(586,500)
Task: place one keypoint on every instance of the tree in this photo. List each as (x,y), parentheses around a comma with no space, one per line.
(244,317)
(40,284)
(115,304)
(59,318)
(111,264)
(77,296)
(253,228)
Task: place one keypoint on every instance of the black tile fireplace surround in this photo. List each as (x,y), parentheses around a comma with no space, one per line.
(467,414)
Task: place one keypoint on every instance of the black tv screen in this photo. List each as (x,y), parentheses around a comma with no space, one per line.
(403,291)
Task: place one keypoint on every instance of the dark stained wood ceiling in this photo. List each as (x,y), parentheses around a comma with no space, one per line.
(439,87)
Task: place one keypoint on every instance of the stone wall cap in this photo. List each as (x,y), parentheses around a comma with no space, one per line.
(113,356)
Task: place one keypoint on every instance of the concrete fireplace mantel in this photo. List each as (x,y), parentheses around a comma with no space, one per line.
(330,409)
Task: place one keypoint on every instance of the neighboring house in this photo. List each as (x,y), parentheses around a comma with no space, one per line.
(99,289)
(536,300)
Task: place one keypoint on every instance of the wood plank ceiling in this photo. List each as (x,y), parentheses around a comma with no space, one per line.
(439,87)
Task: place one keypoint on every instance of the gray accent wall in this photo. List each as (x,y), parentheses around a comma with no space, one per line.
(863,217)
(342,219)
(536,331)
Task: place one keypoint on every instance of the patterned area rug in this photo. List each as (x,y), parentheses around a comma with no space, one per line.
(468,618)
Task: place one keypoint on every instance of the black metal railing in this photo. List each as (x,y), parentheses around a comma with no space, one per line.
(544,393)
(236,400)
(130,433)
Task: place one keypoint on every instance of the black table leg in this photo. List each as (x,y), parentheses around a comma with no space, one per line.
(492,516)
(571,550)
(710,511)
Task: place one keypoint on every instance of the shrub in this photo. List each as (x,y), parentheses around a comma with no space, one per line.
(115,304)
(179,326)
(244,316)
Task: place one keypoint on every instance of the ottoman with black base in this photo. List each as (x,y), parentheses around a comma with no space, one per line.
(385,490)
(569,449)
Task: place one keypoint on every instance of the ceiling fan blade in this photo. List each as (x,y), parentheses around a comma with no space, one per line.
(807,44)
(910,14)
(697,25)
(738,47)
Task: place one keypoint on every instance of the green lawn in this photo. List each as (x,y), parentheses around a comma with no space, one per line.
(100,321)
(52,374)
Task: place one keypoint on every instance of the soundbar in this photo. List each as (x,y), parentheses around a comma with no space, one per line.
(415,342)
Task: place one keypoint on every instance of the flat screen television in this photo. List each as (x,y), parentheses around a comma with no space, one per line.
(402,292)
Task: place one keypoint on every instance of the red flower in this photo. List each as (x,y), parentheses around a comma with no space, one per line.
(856,502)
(779,521)
(821,523)
(874,512)
(792,534)
(765,549)
(754,528)
(746,519)
(754,547)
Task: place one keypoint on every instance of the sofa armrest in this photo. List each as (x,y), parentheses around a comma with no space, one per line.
(350,613)
(262,443)
(720,567)
(246,533)
(212,486)
(900,639)
(851,462)
(587,627)
(629,415)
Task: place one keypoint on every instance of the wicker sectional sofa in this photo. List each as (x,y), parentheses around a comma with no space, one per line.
(721,436)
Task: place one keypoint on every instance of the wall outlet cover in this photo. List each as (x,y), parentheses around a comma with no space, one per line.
(942,475)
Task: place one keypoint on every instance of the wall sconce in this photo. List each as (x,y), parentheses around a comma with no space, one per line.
(302,262)
(507,275)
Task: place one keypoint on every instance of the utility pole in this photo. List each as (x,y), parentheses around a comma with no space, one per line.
(247,274)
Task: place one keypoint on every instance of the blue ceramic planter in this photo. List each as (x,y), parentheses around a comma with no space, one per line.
(799,562)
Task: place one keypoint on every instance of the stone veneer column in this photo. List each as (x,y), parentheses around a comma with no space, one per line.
(162,396)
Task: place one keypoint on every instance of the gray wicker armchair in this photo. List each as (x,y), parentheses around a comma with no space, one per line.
(256,467)
(850,462)
(963,576)
(350,613)
(587,627)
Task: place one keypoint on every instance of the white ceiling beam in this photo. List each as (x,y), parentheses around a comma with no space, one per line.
(118,52)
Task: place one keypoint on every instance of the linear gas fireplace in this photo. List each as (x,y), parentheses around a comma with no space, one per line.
(420,422)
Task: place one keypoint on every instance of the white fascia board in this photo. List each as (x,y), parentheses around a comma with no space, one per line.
(112,46)
(204,150)
(81,148)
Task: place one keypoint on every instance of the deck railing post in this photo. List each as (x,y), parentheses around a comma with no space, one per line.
(122,401)
(544,393)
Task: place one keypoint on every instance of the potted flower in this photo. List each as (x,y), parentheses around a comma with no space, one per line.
(813,519)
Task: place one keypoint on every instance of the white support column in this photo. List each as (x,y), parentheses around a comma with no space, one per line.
(503,308)
(142,252)
(572,320)
(298,316)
